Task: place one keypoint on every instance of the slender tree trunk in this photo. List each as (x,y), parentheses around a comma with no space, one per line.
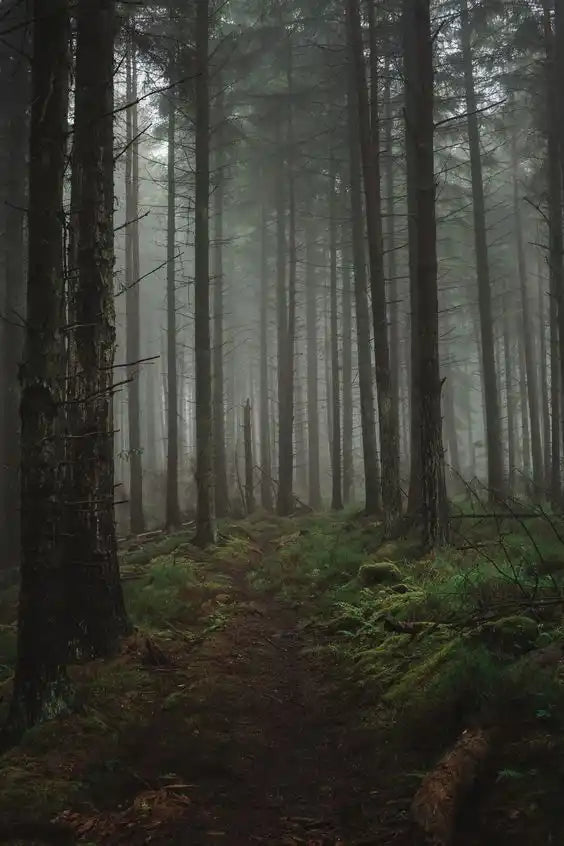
(509,389)
(205,517)
(132,273)
(97,607)
(369,148)
(41,689)
(248,441)
(528,336)
(450,423)
(336,490)
(265,454)
(372,489)
(172,517)
(312,370)
(525,436)
(220,464)
(491,396)
(543,369)
(419,122)
(348,466)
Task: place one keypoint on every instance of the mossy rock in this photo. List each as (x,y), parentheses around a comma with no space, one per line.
(514,634)
(379,573)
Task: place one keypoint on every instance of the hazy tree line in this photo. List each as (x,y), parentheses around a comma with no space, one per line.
(287,254)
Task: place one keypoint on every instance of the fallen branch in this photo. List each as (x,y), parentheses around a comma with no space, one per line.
(443,790)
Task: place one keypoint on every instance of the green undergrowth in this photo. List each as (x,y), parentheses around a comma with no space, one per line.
(435,643)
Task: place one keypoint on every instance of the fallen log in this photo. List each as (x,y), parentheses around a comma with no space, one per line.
(443,790)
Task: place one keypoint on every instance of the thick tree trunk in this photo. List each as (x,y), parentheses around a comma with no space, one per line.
(372,488)
(419,122)
(491,396)
(41,689)
(265,454)
(220,464)
(314,483)
(172,517)
(16,100)
(132,296)
(336,467)
(369,148)
(528,336)
(556,245)
(205,517)
(96,599)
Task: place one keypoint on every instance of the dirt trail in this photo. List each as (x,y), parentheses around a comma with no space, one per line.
(276,759)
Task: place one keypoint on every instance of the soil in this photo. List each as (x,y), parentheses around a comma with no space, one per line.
(270,751)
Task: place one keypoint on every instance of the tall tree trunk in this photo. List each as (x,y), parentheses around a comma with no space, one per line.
(524,405)
(265,454)
(348,466)
(96,606)
(220,464)
(314,483)
(392,287)
(509,389)
(419,121)
(543,370)
(528,335)
(205,518)
(248,442)
(369,148)
(132,273)
(172,516)
(491,396)
(285,501)
(16,101)
(372,489)
(41,689)
(336,489)
(554,64)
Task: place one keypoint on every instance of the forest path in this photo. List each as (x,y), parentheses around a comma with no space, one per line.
(270,749)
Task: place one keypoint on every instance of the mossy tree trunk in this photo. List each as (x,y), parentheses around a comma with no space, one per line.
(41,688)
(96,607)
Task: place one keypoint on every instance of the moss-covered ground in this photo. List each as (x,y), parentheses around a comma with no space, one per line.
(294,684)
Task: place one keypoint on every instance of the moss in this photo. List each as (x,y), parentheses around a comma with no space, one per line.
(514,634)
(379,572)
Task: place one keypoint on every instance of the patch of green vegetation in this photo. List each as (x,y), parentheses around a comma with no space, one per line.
(163,594)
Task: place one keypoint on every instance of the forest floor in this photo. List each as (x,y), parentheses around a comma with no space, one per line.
(262,698)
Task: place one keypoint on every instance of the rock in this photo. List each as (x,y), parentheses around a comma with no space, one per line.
(513,634)
(401,588)
(379,572)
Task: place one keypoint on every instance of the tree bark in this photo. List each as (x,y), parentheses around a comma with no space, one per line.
(372,488)
(336,466)
(248,441)
(528,336)
(98,617)
(419,121)
(265,454)
(314,483)
(206,532)
(172,516)
(509,389)
(132,295)
(369,148)
(348,463)
(16,101)
(41,687)
(220,463)
(491,396)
